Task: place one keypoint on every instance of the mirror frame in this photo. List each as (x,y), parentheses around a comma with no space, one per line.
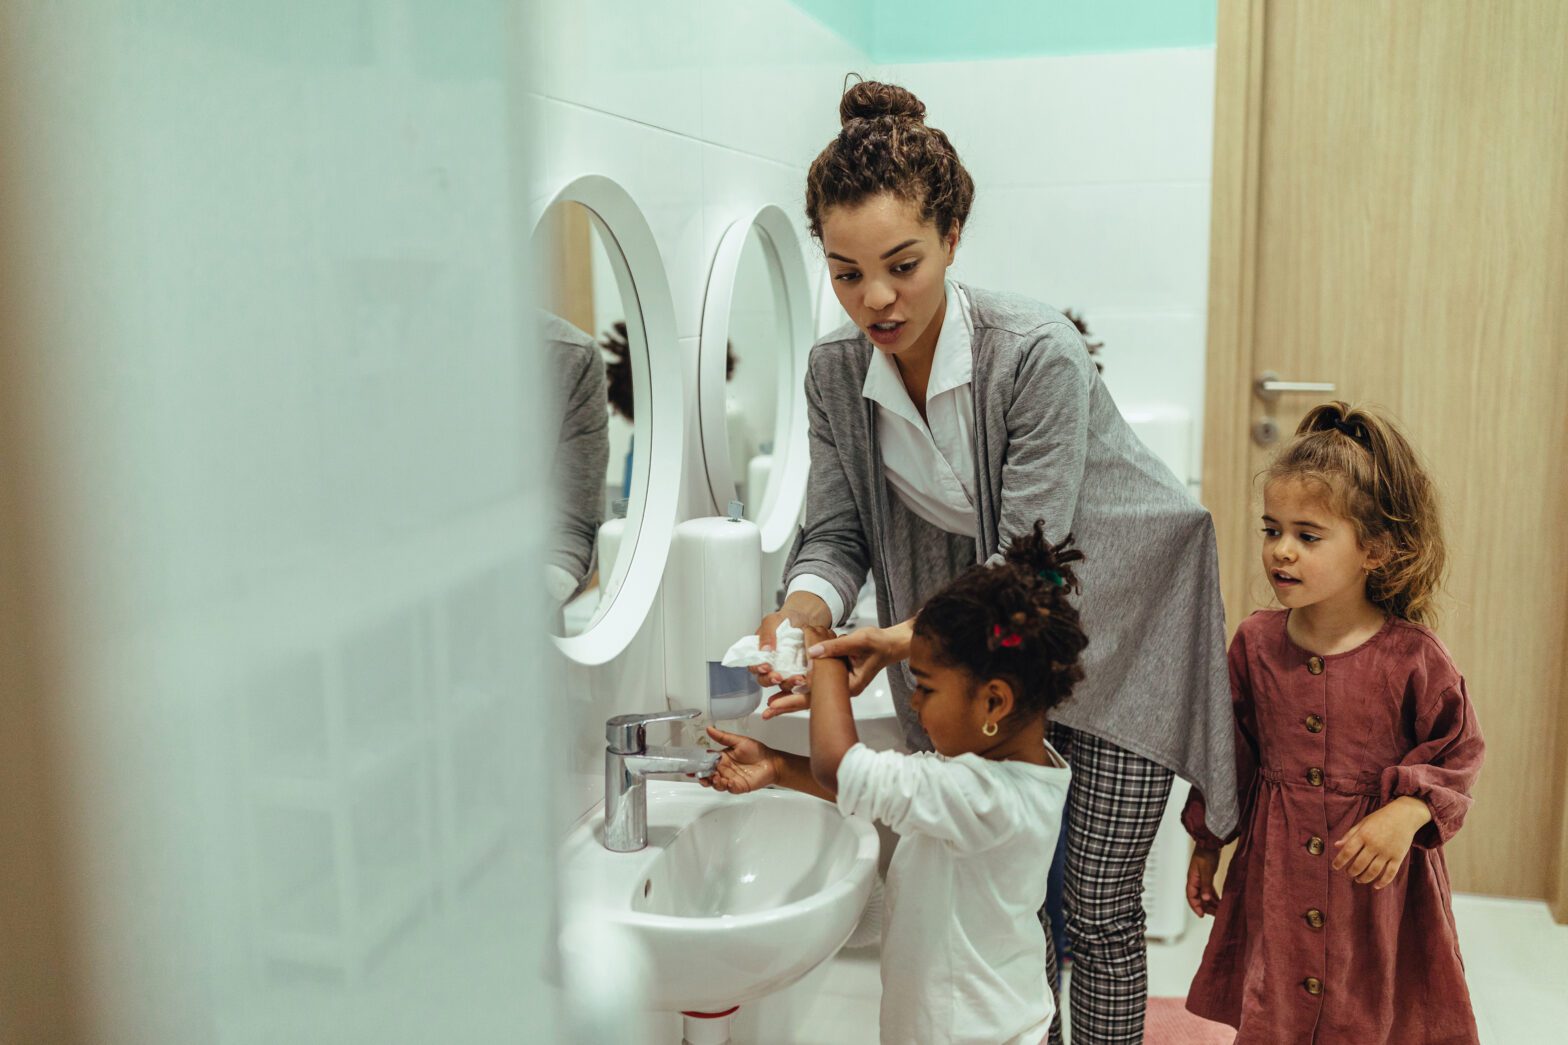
(780,510)
(659,429)
(829,314)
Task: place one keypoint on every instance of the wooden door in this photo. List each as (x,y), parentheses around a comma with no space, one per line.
(564,256)
(1391,216)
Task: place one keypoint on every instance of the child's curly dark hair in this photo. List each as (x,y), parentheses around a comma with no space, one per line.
(1014,622)
(617,345)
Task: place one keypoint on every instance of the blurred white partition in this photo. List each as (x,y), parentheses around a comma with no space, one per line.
(274,764)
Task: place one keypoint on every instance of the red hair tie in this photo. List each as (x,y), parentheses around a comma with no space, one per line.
(1008,640)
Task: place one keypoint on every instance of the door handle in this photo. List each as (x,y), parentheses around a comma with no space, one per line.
(1268,387)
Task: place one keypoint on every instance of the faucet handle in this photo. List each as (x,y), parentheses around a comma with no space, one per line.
(628,735)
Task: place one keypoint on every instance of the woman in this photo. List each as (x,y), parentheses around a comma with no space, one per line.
(945,420)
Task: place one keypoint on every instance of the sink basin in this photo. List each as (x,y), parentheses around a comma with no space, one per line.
(735,897)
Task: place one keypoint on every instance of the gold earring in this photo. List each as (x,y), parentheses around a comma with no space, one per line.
(989,729)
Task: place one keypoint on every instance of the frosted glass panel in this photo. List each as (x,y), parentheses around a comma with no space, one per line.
(277,311)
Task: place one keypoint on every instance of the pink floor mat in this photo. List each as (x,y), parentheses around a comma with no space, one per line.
(1169,1023)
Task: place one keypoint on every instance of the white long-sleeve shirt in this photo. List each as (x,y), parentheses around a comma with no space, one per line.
(963,954)
(930,461)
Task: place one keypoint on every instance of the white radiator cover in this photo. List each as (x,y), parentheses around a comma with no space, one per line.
(1165,875)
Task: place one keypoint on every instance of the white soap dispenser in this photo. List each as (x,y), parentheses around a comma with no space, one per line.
(711,598)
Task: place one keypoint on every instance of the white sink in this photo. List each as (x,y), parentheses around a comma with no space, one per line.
(735,897)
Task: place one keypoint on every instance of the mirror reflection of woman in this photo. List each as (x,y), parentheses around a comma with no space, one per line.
(945,419)
(582,452)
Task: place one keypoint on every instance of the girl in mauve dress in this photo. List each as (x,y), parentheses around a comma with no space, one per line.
(1357,747)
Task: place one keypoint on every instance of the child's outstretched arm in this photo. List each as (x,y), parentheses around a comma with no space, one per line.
(749,765)
(832,721)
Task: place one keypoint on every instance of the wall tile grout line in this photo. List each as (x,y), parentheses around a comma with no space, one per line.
(800,169)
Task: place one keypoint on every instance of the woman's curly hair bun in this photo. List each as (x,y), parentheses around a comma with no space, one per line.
(869,100)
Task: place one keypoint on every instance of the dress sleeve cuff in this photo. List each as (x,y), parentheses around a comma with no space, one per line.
(1447,806)
(814,585)
(1192,818)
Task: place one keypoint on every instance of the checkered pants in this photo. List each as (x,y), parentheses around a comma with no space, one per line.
(1114,808)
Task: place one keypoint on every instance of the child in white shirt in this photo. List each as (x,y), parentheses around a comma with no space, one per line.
(963,953)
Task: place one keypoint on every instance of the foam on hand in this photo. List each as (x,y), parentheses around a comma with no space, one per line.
(789,659)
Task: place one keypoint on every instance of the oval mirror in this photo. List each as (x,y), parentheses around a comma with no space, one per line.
(756,338)
(604,315)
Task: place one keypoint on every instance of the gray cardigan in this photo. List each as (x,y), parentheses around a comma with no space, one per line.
(1049,444)
(581,416)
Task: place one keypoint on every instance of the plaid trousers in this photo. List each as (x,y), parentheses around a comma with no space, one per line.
(1114,806)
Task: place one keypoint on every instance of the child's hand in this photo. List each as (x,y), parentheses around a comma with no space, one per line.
(1373,851)
(1202,896)
(745,766)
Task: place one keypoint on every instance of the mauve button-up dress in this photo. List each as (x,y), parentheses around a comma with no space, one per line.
(1300,952)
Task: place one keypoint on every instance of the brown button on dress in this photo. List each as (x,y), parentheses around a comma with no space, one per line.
(1299,951)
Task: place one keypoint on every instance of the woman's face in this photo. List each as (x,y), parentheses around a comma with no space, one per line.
(889,269)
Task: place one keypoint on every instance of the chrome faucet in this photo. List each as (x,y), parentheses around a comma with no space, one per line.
(628,763)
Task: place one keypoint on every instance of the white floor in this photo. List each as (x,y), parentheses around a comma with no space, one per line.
(1516,956)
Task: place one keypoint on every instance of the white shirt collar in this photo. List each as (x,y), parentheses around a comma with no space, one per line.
(952,364)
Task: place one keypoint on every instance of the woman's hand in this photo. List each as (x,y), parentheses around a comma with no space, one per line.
(1202,896)
(801,610)
(745,766)
(868,651)
(815,636)
(1373,851)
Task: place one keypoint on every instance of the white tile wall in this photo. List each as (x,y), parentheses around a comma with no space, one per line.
(1089,119)
(640,62)
(771,79)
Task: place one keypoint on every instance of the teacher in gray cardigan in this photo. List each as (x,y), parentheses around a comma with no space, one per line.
(945,419)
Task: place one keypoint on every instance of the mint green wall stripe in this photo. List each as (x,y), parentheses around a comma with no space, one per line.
(943,30)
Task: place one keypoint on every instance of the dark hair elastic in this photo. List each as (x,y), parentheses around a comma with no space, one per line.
(1355,429)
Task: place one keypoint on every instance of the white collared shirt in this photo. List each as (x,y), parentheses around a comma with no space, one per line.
(930,462)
